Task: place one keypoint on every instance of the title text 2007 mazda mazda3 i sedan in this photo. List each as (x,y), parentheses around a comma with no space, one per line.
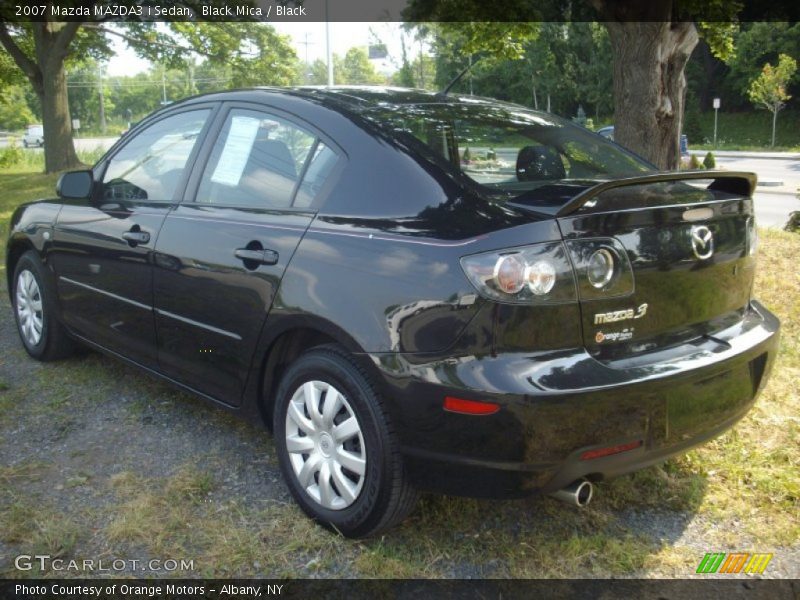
(414,291)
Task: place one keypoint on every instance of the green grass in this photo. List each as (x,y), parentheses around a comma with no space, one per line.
(739,492)
(751,130)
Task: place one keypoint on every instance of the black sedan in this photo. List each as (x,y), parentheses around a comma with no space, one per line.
(414,291)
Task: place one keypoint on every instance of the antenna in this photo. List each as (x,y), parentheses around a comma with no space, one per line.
(458,77)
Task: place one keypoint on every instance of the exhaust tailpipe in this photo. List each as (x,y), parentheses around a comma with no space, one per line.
(578,493)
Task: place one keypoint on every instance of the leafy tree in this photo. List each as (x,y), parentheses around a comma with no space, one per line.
(42,50)
(318,72)
(757,44)
(404,76)
(14,110)
(650,42)
(357,70)
(768,90)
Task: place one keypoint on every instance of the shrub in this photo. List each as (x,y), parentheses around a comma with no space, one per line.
(11,155)
(694,163)
(709,162)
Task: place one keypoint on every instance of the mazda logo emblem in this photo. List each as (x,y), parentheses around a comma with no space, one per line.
(702,242)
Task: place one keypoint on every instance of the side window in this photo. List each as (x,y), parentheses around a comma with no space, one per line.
(319,168)
(151,164)
(256,161)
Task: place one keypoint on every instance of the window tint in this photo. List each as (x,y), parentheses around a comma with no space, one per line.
(151,164)
(319,169)
(256,161)
(507,148)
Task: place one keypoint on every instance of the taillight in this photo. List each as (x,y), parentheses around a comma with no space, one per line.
(602,268)
(537,274)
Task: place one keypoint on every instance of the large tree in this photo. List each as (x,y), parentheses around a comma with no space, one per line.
(42,50)
(650,42)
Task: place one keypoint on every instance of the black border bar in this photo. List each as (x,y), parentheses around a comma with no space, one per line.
(352,589)
(394,10)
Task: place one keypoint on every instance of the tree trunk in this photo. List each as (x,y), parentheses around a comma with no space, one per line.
(59,149)
(774,121)
(650,86)
(45,71)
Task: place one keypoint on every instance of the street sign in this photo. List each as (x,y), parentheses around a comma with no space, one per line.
(76,124)
(716,103)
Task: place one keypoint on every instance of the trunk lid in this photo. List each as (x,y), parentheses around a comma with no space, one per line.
(683,249)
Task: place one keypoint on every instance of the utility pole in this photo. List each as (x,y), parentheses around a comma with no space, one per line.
(306,44)
(192,88)
(164,87)
(102,101)
(328,44)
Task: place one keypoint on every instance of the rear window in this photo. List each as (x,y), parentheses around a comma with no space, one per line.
(507,149)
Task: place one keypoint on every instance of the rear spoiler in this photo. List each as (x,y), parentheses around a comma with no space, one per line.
(734,182)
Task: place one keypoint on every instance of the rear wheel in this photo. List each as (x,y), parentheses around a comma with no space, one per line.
(336,446)
(34,309)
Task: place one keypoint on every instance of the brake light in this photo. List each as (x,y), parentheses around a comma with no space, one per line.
(537,274)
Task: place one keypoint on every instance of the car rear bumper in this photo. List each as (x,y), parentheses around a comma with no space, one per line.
(556,406)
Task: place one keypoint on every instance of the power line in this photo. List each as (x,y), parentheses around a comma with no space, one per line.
(88,84)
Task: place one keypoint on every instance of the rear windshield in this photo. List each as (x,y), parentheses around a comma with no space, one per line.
(506,148)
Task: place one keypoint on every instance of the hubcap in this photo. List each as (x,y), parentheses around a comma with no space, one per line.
(325,444)
(29,307)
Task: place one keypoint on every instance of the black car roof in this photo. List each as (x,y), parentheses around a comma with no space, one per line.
(353,99)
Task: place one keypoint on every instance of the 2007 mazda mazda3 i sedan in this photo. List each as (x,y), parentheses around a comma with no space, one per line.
(414,291)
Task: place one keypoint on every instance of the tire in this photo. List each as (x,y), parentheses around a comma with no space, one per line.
(34,303)
(25,143)
(360,501)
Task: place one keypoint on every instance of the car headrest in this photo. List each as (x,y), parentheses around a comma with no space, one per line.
(535,163)
(273,155)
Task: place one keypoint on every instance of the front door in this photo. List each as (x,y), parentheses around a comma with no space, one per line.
(221,254)
(103,247)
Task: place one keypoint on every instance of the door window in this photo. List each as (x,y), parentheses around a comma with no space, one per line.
(317,173)
(256,162)
(151,164)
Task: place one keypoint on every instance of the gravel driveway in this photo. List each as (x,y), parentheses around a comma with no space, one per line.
(101,461)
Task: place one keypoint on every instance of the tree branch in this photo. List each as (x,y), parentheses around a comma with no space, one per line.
(28,66)
(64,37)
(128,38)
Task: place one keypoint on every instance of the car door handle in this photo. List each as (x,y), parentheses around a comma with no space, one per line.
(136,237)
(263,257)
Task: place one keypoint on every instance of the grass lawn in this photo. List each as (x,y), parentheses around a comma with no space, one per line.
(751,130)
(740,492)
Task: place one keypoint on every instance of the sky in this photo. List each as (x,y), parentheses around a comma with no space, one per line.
(343,37)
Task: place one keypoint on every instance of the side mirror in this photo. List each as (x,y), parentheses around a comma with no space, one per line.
(75,184)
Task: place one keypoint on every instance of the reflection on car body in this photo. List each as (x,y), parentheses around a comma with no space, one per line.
(413,291)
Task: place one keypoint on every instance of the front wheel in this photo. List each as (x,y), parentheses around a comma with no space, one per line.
(34,308)
(336,446)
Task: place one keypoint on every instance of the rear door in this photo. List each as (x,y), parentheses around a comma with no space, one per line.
(103,247)
(222,252)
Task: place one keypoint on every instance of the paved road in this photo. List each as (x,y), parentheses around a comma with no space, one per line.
(81,144)
(785,171)
(772,210)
